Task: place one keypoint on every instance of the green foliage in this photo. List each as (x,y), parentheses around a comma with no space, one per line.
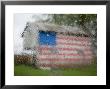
(73,19)
(23,70)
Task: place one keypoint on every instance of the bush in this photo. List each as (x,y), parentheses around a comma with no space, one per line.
(23,59)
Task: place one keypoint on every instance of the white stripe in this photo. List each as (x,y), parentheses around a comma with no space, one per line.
(66,46)
(59,62)
(61,57)
(65,51)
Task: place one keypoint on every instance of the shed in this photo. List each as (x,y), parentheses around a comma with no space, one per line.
(57,46)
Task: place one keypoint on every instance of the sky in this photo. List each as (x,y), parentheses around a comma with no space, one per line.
(20,21)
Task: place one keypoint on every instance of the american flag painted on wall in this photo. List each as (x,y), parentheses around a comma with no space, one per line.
(59,49)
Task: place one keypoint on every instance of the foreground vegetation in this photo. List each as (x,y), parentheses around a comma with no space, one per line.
(26,70)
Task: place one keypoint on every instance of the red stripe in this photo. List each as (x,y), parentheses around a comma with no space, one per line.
(57,59)
(73,38)
(77,44)
(69,49)
(63,53)
(53,59)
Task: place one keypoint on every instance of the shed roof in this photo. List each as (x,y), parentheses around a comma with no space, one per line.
(53,27)
(56,28)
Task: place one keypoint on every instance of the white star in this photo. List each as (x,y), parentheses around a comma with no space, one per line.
(47,34)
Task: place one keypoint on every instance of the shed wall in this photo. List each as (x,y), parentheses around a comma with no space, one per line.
(69,50)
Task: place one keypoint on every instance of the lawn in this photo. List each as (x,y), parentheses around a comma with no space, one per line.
(25,70)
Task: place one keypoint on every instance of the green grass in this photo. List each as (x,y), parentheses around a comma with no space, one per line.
(24,70)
